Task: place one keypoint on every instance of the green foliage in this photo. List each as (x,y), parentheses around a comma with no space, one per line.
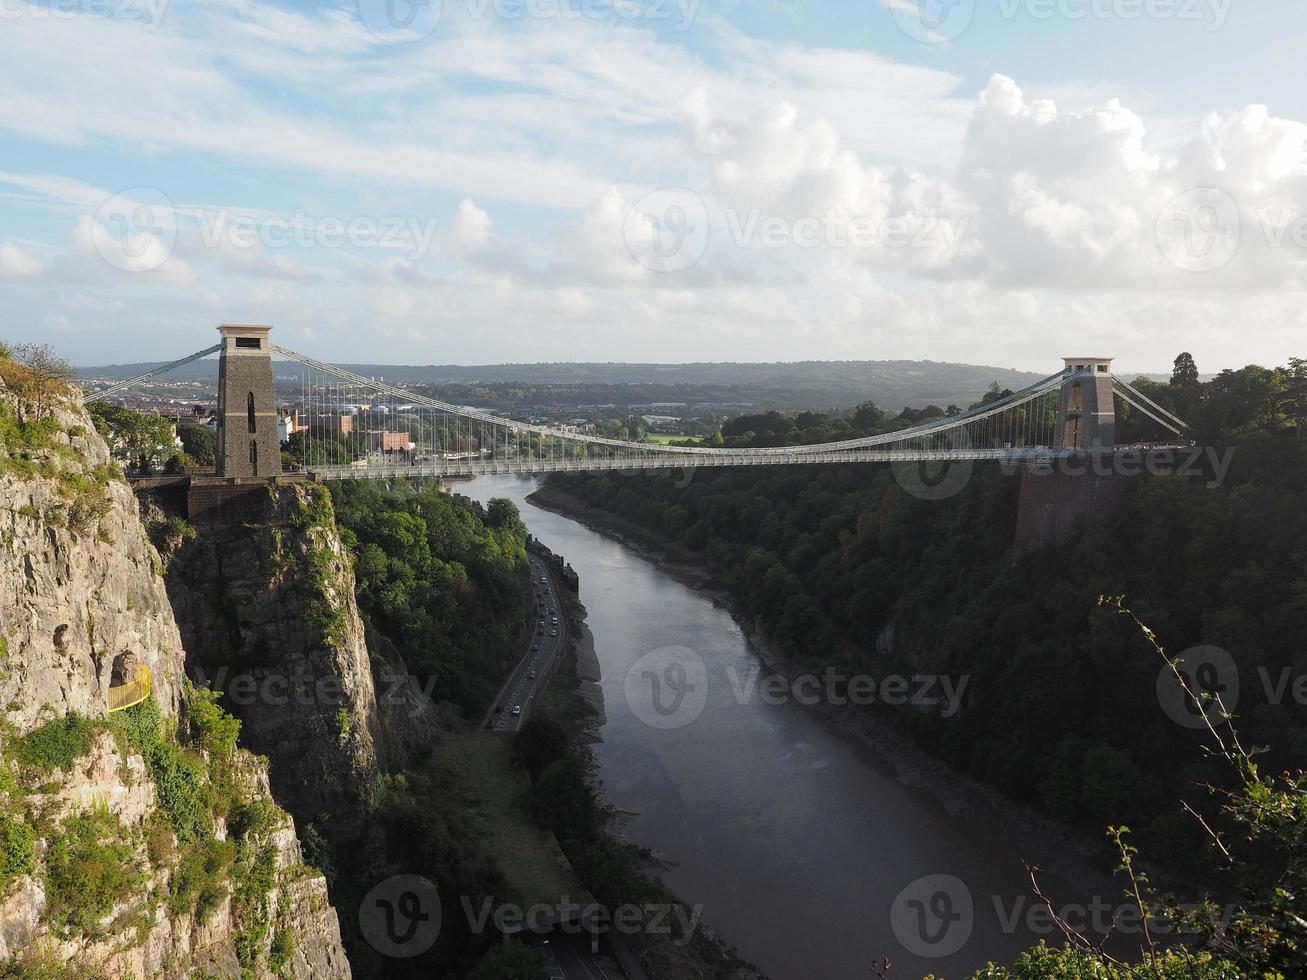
(839,566)
(56,744)
(250,819)
(511,961)
(199,442)
(1063,963)
(90,867)
(143,442)
(17,850)
(199,882)
(40,964)
(211,728)
(168,535)
(37,377)
(24,440)
(254,883)
(442,580)
(282,949)
(181,777)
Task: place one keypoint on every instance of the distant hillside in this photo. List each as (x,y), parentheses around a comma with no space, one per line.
(791,386)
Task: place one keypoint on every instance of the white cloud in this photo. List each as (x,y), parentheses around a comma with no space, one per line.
(17,264)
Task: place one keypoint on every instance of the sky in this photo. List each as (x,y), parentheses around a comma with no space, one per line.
(1004,182)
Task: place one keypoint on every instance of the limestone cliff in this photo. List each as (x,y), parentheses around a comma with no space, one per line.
(268,615)
(266,608)
(132,845)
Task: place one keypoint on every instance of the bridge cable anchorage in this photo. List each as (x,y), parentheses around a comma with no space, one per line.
(114,389)
(1125,389)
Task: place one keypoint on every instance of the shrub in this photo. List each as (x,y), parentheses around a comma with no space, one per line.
(199,884)
(283,946)
(180,777)
(17,850)
(56,744)
(211,727)
(89,870)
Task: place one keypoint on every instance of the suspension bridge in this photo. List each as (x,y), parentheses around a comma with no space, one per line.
(355,427)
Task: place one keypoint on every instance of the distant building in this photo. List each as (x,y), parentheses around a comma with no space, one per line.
(340,423)
(288,425)
(396,442)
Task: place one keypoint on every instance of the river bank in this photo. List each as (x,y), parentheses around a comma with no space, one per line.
(1064,850)
(648,954)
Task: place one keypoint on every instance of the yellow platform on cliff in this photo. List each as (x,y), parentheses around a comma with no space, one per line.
(133,692)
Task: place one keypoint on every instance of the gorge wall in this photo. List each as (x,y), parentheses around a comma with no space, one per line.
(139,843)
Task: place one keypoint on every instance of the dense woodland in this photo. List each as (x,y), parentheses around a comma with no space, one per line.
(840,566)
(442,580)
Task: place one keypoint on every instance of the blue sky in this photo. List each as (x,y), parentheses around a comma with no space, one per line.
(519,180)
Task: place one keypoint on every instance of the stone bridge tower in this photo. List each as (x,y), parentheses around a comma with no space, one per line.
(1086,412)
(248,441)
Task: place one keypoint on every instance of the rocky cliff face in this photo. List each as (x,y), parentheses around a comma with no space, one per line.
(129,848)
(268,615)
(79,583)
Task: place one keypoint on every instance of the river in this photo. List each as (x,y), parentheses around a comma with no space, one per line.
(801,844)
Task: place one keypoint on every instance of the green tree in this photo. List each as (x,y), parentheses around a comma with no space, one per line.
(1185,372)
(199,442)
(142,441)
